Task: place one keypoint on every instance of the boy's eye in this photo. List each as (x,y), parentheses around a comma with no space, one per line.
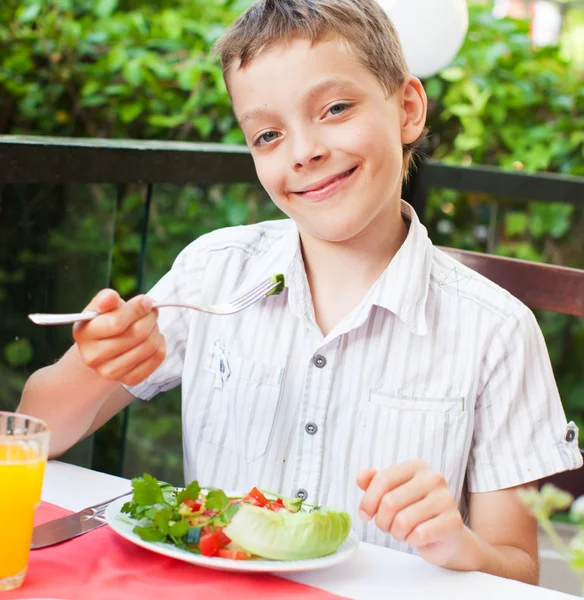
(266,138)
(339,108)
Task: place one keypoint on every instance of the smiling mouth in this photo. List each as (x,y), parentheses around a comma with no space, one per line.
(328,183)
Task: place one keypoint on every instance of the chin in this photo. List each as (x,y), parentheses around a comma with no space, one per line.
(336,232)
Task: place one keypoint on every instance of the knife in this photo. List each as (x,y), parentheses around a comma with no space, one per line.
(66,528)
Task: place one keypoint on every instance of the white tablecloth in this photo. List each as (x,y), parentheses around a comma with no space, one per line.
(373,573)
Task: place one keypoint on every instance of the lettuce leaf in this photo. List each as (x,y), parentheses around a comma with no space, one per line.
(289,536)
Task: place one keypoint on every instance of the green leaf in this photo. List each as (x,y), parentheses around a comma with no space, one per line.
(192,491)
(168,121)
(149,534)
(466,142)
(216,500)
(178,529)
(129,112)
(147,490)
(161,519)
(516,223)
(204,125)
(462,110)
(434,88)
(224,518)
(28,13)
(133,72)
(452,74)
(18,353)
(104,8)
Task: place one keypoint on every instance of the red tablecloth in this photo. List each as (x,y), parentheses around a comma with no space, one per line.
(101,564)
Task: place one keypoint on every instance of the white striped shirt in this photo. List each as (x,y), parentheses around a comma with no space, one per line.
(436,363)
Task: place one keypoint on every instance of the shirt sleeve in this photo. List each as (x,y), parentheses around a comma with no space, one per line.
(520,429)
(182,284)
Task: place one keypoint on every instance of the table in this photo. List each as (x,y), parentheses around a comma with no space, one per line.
(373,573)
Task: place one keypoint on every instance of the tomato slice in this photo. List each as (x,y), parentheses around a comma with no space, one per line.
(210,543)
(223,539)
(258,497)
(274,506)
(193,505)
(233,554)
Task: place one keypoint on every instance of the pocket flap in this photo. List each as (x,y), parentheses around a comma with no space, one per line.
(222,363)
(414,403)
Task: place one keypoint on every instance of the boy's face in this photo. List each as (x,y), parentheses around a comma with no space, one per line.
(325,139)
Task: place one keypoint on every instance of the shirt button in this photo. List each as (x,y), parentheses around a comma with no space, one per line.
(302,494)
(311,428)
(319,361)
(570,435)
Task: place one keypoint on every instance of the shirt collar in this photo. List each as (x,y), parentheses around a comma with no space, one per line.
(403,286)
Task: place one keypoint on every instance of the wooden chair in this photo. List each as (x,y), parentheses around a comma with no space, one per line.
(539,286)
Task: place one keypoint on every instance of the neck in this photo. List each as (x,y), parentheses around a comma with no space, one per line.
(341,273)
(362,258)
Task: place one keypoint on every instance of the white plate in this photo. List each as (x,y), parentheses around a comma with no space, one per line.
(123,525)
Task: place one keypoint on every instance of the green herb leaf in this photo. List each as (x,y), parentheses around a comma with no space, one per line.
(192,491)
(162,518)
(224,517)
(216,500)
(178,529)
(149,534)
(147,491)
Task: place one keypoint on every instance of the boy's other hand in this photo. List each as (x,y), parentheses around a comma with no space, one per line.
(123,343)
(413,503)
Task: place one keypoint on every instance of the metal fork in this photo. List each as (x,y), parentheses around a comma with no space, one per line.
(269,287)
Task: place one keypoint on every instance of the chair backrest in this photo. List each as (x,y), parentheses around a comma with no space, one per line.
(539,286)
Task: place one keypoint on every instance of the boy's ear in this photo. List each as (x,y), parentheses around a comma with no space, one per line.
(414,106)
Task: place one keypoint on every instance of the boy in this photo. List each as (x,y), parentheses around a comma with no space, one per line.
(384,365)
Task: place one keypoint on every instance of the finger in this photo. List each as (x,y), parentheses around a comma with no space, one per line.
(417,512)
(364,478)
(105,301)
(393,503)
(118,367)
(95,353)
(384,481)
(145,369)
(439,530)
(113,323)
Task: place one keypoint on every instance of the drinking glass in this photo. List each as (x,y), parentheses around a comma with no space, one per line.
(24,446)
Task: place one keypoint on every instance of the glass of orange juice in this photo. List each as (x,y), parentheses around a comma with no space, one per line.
(24,446)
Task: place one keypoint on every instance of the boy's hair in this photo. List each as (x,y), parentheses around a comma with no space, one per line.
(361,25)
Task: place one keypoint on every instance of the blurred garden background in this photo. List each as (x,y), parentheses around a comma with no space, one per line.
(143,70)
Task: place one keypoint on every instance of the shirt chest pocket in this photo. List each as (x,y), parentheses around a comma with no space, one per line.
(428,428)
(245,397)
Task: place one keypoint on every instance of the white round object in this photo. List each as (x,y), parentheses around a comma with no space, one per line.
(431,31)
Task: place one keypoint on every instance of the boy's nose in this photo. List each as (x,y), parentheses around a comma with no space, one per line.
(308,150)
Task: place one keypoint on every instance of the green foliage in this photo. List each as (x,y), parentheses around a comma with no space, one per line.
(86,68)
(506,103)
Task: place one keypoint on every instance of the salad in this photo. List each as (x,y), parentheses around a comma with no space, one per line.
(209,522)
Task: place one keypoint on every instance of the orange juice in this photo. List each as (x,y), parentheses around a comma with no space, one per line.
(24,446)
(21,481)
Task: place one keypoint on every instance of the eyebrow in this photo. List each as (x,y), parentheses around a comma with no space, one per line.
(319,88)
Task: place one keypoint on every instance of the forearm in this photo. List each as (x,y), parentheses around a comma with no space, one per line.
(510,562)
(67,396)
